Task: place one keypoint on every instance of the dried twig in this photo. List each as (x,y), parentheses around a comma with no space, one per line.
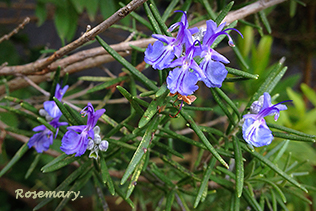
(16,30)
(86,37)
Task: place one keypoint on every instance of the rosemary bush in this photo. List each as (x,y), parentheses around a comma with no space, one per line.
(178,137)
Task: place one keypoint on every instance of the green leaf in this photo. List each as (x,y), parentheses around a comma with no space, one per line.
(235,202)
(29,107)
(92,8)
(135,177)
(249,170)
(47,125)
(129,97)
(240,57)
(222,106)
(168,149)
(274,168)
(18,112)
(41,13)
(142,78)
(121,194)
(155,170)
(265,85)
(107,84)
(78,5)
(75,188)
(152,109)
(18,131)
(276,80)
(265,21)
(224,13)
(276,187)
(193,108)
(204,183)
(290,130)
(65,20)
(141,149)
(33,165)
(14,159)
(107,8)
(251,200)
(170,199)
(59,164)
(309,93)
(301,196)
(261,55)
(200,134)
(162,90)
(152,20)
(65,112)
(158,18)
(180,168)
(55,82)
(106,176)
(239,167)
(82,170)
(139,18)
(209,10)
(281,152)
(292,137)
(56,160)
(169,9)
(182,138)
(228,101)
(75,115)
(293,6)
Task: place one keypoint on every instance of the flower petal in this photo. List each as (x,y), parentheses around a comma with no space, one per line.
(215,73)
(74,143)
(256,132)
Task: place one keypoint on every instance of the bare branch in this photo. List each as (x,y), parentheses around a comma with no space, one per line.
(87,36)
(16,30)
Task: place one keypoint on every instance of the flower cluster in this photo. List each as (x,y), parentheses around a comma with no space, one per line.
(181,51)
(41,141)
(255,130)
(80,138)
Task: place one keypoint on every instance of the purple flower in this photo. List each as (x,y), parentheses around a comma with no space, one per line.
(50,106)
(212,63)
(184,77)
(163,51)
(255,130)
(41,141)
(77,138)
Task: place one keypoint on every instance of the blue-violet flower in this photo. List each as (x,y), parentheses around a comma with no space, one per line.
(41,141)
(50,106)
(255,130)
(160,55)
(212,63)
(184,77)
(77,138)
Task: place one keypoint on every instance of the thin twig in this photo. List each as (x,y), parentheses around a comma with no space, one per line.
(16,30)
(3,65)
(86,37)
(44,92)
